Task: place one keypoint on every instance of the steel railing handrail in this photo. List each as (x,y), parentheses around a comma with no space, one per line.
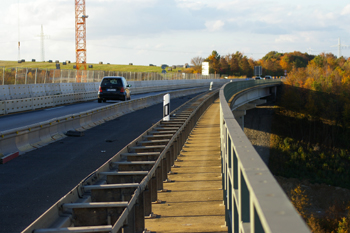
(253,199)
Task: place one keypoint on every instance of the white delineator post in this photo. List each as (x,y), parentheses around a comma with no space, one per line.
(166,107)
(211,86)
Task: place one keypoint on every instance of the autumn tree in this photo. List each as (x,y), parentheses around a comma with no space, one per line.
(197,64)
(234,63)
(214,62)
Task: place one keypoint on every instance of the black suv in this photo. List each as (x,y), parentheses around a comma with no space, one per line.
(113,88)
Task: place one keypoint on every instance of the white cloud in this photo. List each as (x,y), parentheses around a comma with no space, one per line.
(172,31)
(193,5)
(214,25)
(286,38)
(346,10)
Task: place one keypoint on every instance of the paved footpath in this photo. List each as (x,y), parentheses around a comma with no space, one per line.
(194,200)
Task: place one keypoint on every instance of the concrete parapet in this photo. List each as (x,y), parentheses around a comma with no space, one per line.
(66,88)
(52,89)
(37,90)
(19,91)
(78,87)
(3,108)
(5,92)
(18,105)
(90,87)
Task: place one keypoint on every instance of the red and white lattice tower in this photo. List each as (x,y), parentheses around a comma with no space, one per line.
(80,39)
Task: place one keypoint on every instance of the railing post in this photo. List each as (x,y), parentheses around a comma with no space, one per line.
(140,214)
(159,176)
(26,76)
(3,76)
(16,75)
(148,199)
(36,75)
(130,224)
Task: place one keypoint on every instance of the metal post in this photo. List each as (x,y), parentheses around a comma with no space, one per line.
(45,76)
(3,76)
(148,199)
(36,75)
(16,75)
(25,79)
(53,77)
(140,214)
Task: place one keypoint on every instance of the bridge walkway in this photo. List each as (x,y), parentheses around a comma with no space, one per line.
(193,201)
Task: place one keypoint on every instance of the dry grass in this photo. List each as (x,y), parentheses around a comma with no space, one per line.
(105,67)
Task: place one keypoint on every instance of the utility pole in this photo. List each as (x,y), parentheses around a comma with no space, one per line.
(19,43)
(340,46)
(42,38)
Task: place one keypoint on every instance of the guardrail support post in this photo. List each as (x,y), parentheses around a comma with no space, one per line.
(169,161)
(164,168)
(160,179)
(153,182)
(172,156)
(148,199)
(140,214)
(129,226)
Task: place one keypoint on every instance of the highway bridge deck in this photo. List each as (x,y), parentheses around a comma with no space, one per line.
(193,202)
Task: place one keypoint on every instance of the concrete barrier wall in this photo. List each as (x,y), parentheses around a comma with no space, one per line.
(37,90)
(5,92)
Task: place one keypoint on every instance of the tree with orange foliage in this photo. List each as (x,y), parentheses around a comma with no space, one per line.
(214,62)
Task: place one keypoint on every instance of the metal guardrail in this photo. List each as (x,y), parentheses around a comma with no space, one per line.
(254,201)
(117,196)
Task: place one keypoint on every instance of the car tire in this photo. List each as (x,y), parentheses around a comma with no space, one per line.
(99,100)
(104,101)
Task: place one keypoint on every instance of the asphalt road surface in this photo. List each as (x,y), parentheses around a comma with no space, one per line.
(33,182)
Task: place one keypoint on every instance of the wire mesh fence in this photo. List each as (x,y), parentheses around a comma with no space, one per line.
(13,76)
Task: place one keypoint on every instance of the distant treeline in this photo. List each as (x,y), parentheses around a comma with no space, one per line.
(273,63)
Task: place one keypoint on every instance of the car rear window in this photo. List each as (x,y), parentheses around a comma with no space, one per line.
(112,82)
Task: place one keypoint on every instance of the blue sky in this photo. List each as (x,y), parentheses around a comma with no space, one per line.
(173,31)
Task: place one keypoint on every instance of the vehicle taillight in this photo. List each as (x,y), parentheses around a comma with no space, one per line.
(100,89)
(122,89)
